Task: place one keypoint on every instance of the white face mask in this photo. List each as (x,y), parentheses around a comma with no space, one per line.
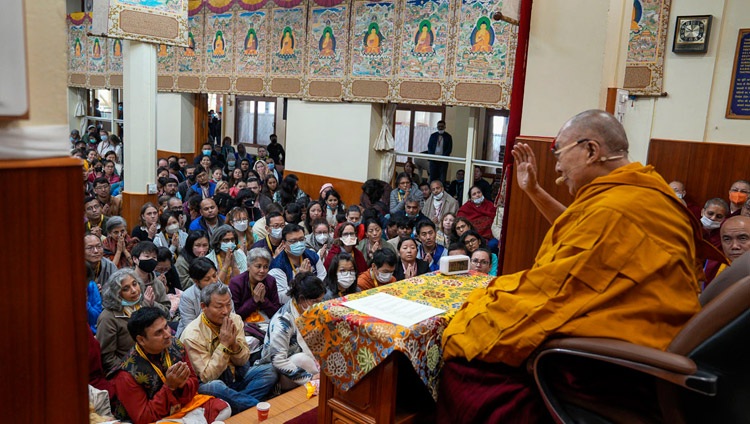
(276,232)
(171,229)
(383,277)
(709,224)
(438,196)
(349,240)
(240,226)
(321,238)
(345,278)
(680,195)
(478,201)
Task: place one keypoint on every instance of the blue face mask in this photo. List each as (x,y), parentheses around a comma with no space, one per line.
(227,246)
(297,248)
(104,138)
(124,302)
(206,152)
(401,191)
(270,166)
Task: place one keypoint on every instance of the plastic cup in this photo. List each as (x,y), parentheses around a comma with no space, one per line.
(263,408)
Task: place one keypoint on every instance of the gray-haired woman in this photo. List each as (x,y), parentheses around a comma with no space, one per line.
(122,295)
(229,260)
(118,244)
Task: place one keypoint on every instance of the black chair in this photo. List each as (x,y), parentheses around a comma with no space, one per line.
(703,377)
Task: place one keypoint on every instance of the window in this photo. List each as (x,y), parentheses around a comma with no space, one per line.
(104,109)
(496,132)
(256,120)
(413,126)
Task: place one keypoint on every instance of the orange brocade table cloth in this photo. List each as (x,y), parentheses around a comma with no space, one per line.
(349,343)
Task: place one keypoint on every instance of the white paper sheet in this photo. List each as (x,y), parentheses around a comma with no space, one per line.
(393,309)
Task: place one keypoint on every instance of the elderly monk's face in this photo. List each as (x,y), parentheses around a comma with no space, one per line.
(570,150)
(735,237)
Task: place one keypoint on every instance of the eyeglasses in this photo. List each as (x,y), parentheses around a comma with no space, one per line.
(94,248)
(471,241)
(348,234)
(556,152)
(480,262)
(301,239)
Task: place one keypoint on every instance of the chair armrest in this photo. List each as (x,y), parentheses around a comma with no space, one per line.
(666,366)
(627,351)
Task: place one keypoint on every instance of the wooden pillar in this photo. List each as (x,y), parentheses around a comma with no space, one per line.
(43,308)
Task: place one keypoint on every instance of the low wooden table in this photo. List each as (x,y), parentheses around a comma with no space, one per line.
(373,371)
(283,408)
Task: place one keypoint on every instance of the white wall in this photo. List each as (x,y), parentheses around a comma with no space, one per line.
(330,139)
(566,58)
(697,85)
(174,122)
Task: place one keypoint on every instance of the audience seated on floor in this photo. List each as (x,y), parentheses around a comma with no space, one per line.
(146,259)
(293,259)
(122,295)
(229,261)
(209,218)
(346,241)
(118,244)
(381,269)
(481,260)
(374,240)
(408,265)
(216,346)
(95,220)
(429,251)
(255,295)
(156,380)
(472,240)
(341,277)
(93,253)
(284,348)
(274,225)
(203,273)
(439,203)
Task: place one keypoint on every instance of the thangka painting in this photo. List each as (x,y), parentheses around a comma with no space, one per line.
(114,58)
(166,65)
(219,42)
(287,50)
(152,21)
(372,50)
(77,49)
(327,49)
(644,66)
(190,59)
(97,58)
(424,42)
(484,53)
(251,30)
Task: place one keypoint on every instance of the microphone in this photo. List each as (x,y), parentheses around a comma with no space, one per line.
(561,180)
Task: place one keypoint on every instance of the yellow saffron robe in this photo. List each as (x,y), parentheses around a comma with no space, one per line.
(618,263)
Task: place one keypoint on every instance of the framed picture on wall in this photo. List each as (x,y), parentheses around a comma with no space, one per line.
(691,34)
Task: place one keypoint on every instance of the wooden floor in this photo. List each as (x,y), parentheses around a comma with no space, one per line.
(283,408)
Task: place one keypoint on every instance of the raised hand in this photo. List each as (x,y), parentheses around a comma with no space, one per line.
(526,167)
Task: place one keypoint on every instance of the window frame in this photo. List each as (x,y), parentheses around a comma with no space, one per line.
(413,109)
(255,99)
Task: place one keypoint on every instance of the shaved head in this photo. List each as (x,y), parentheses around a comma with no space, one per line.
(735,236)
(601,126)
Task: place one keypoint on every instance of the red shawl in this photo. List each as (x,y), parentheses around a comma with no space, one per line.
(480,216)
